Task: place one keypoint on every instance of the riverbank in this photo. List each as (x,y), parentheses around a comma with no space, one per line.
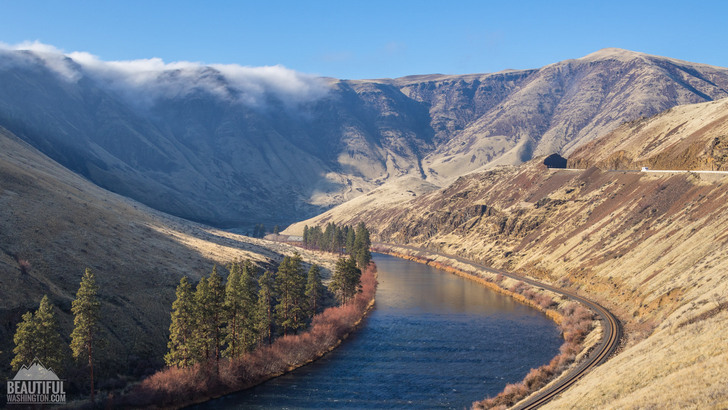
(179,387)
(579,328)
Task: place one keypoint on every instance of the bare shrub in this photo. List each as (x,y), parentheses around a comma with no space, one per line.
(24,266)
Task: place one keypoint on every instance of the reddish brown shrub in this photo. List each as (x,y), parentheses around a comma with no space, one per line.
(24,266)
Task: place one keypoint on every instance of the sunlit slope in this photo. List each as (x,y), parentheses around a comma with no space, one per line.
(654,249)
(54,224)
(682,138)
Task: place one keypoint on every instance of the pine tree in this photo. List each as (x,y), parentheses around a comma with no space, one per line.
(363,257)
(49,344)
(38,337)
(240,299)
(217,310)
(314,291)
(209,299)
(182,328)
(25,342)
(233,310)
(350,240)
(201,338)
(361,246)
(85,310)
(249,288)
(264,308)
(290,288)
(346,280)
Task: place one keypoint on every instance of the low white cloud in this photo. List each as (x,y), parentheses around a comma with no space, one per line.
(50,56)
(148,79)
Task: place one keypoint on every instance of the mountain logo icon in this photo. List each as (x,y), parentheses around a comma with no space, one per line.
(36,371)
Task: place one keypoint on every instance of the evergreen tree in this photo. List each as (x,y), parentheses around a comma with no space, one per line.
(317,237)
(240,299)
(85,310)
(201,339)
(290,288)
(346,280)
(362,244)
(217,310)
(182,328)
(350,240)
(25,342)
(50,345)
(276,229)
(209,299)
(363,257)
(249,290)
(38,337)
(314,291)
(305,237)
(264,308)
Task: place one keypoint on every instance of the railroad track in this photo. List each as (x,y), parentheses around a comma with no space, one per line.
(610,337)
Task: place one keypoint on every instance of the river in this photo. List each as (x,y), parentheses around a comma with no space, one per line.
(433,340)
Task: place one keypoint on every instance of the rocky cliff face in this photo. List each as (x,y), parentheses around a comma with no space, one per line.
(234,148)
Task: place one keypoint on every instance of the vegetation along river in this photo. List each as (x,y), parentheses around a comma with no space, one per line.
(433,340)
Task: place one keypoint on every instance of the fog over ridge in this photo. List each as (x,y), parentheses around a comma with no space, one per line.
(148,79)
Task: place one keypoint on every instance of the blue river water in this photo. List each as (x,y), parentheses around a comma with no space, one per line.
(433,340)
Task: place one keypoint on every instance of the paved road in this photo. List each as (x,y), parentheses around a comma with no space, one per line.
(610,337)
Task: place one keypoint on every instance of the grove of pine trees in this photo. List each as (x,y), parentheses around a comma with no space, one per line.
(38,337)
(354,241)
(38,334)
(250,309)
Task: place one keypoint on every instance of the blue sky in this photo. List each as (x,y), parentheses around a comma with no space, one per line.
(371,39)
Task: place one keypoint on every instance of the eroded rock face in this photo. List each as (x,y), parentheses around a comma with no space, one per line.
(206,153)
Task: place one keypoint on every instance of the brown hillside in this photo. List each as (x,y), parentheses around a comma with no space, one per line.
(653,248)
(54,224)
(689,137)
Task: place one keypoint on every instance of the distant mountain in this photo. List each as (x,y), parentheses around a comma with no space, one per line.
(235,146)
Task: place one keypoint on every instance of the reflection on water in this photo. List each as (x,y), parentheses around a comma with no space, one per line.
(433,340)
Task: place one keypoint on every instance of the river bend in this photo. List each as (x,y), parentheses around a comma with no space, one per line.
(433,340)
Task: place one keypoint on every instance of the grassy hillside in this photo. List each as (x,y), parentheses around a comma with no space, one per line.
(54,224)
(654,249)
(693,137)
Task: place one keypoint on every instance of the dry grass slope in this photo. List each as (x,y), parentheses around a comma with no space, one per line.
(54,223)
(693,137)
(652,248)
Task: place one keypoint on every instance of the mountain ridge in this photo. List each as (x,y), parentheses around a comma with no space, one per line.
(234,146)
